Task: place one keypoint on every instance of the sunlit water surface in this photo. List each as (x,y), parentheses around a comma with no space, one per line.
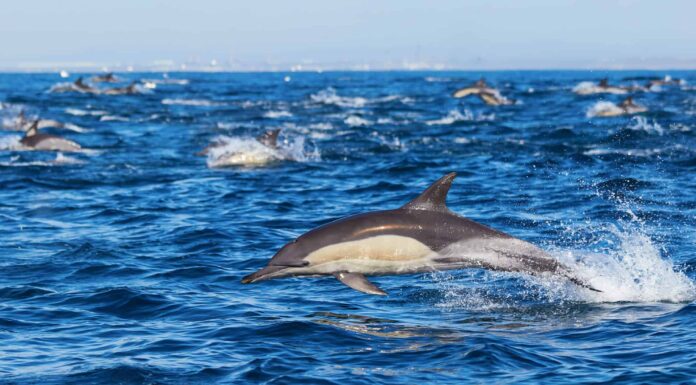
(122,264)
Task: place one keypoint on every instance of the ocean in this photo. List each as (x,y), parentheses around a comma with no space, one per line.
(121,263)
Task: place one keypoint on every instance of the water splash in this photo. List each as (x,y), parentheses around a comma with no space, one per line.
(245,151)
(628,267)
(604,108)
(329,96)
(640,123)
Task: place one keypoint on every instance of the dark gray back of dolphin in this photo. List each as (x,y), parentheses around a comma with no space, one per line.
(423,230)
(32,137)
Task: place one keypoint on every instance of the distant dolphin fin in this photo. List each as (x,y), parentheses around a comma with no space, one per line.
(434,197)
(33,129)
(358,282)
(269,138)
(628,102)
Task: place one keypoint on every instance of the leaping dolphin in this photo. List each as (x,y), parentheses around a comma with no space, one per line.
(627,107)
(38,141)
(268,139)
(127,90)
(105,78)
(421,236)
(489,95)
(588,88)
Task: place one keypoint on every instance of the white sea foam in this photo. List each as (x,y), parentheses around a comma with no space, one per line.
(454,116)
(628,268)
(393,143)
(356,121)
(277,114)
(624,151)
(191,102)
(180,82)
(79,112)
(604,108)
(10,142)
(329,96)
(58,161)
(640,123)
(109,118)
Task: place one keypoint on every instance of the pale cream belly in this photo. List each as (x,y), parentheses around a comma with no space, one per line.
(383,254)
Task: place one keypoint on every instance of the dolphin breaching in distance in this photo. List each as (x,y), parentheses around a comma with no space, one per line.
(421,236)
(105,78)
(35,140)
(607,109)
(127,90)
(268,139)
(629,107)
(603,87)
(77,86)
(489,95)
(246,152)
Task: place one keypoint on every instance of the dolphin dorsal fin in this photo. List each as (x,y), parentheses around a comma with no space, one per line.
(269,138)
(33,129)
(434,197)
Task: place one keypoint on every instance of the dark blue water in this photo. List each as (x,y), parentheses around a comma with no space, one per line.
(123,264)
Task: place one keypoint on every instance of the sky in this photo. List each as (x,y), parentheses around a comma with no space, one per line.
(348,34)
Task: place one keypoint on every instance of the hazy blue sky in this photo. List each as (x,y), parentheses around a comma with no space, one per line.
(346,34)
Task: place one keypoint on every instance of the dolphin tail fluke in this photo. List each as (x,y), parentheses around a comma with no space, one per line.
(359,282)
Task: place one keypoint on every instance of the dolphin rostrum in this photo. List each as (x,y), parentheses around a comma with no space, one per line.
(421,236)
(38,141)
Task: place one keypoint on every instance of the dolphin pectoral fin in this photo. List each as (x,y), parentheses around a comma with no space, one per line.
(358,282)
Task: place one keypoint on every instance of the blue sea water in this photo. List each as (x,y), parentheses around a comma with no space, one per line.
(122,264)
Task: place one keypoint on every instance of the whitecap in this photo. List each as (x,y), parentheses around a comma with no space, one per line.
(79,112)
(454,116)
(356,121)
(191,102)
(329,96)
(277,114)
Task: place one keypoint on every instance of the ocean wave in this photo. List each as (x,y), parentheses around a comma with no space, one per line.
(191,102)
(277,114)
(330,96)
(640,123)
(356,121)
(79,112)
(60,160)
(112,118)
(167,81)
(454,116)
